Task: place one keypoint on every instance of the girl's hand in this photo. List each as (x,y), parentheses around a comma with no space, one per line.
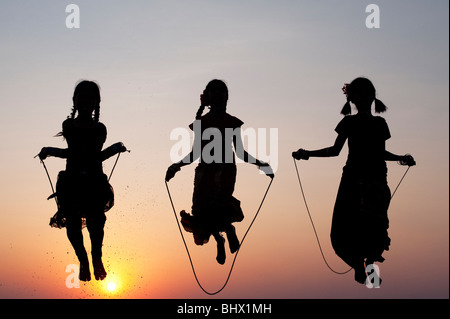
(300,154)
(171,171)
(122,148)
(119,147)
(43,154)
(265,167)
(407,160)
(204,99)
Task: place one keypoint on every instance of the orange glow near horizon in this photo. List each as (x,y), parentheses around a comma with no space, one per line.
(284,64)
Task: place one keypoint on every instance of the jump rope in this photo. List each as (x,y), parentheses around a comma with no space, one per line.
(50,180)
(248,229)
(312,222)
(236,254)
(178,223)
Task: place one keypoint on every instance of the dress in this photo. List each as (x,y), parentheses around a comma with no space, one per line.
(360,221)
(82,190)
(213,206)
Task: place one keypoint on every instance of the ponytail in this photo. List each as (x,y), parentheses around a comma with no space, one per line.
(347,109)
(366,91)
(96,116)
(86,86)
(379,106)
(97,113)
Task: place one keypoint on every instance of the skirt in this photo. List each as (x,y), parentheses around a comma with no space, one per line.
(213,206)
(360,221)
(81,196)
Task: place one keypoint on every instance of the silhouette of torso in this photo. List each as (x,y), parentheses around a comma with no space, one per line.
(219,122)
(84,146)
(366,135)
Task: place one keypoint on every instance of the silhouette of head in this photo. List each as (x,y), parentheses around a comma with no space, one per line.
(86,99)
(217,94)
(362,93)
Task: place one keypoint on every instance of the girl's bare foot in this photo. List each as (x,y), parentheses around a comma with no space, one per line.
(99,270)
(233,241)
(360,274)
(220,249)
(85,274)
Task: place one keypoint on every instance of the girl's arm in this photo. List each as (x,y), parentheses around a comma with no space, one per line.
(331,151)
(388,156)
(402,159)
(193,155)
(246,157)
(52,151)
(241,152)
(112,150)
(188,159)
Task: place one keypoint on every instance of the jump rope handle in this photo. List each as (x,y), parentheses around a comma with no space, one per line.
(407,160)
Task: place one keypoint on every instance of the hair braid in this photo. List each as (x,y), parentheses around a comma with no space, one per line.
(97,113)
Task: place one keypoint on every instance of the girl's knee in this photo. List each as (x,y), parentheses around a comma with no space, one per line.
(96,221)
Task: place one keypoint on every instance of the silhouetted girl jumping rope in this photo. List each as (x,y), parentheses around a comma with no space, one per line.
(360,221)
(214,208)
(83,191)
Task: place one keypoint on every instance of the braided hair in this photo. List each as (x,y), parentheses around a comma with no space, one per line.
(91,87)
(364,87)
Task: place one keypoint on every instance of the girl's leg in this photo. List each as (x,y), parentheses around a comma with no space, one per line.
(95,225)
(360,272)
(220,248)
(75,236)
(358,266)
(233,241)
(356,262)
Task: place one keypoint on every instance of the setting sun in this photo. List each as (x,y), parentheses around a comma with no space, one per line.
(111,286)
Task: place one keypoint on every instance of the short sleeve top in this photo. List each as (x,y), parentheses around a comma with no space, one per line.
(367,135)
(84,147)
(217,131)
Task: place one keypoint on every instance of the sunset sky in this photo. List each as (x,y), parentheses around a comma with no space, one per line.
(285,63)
